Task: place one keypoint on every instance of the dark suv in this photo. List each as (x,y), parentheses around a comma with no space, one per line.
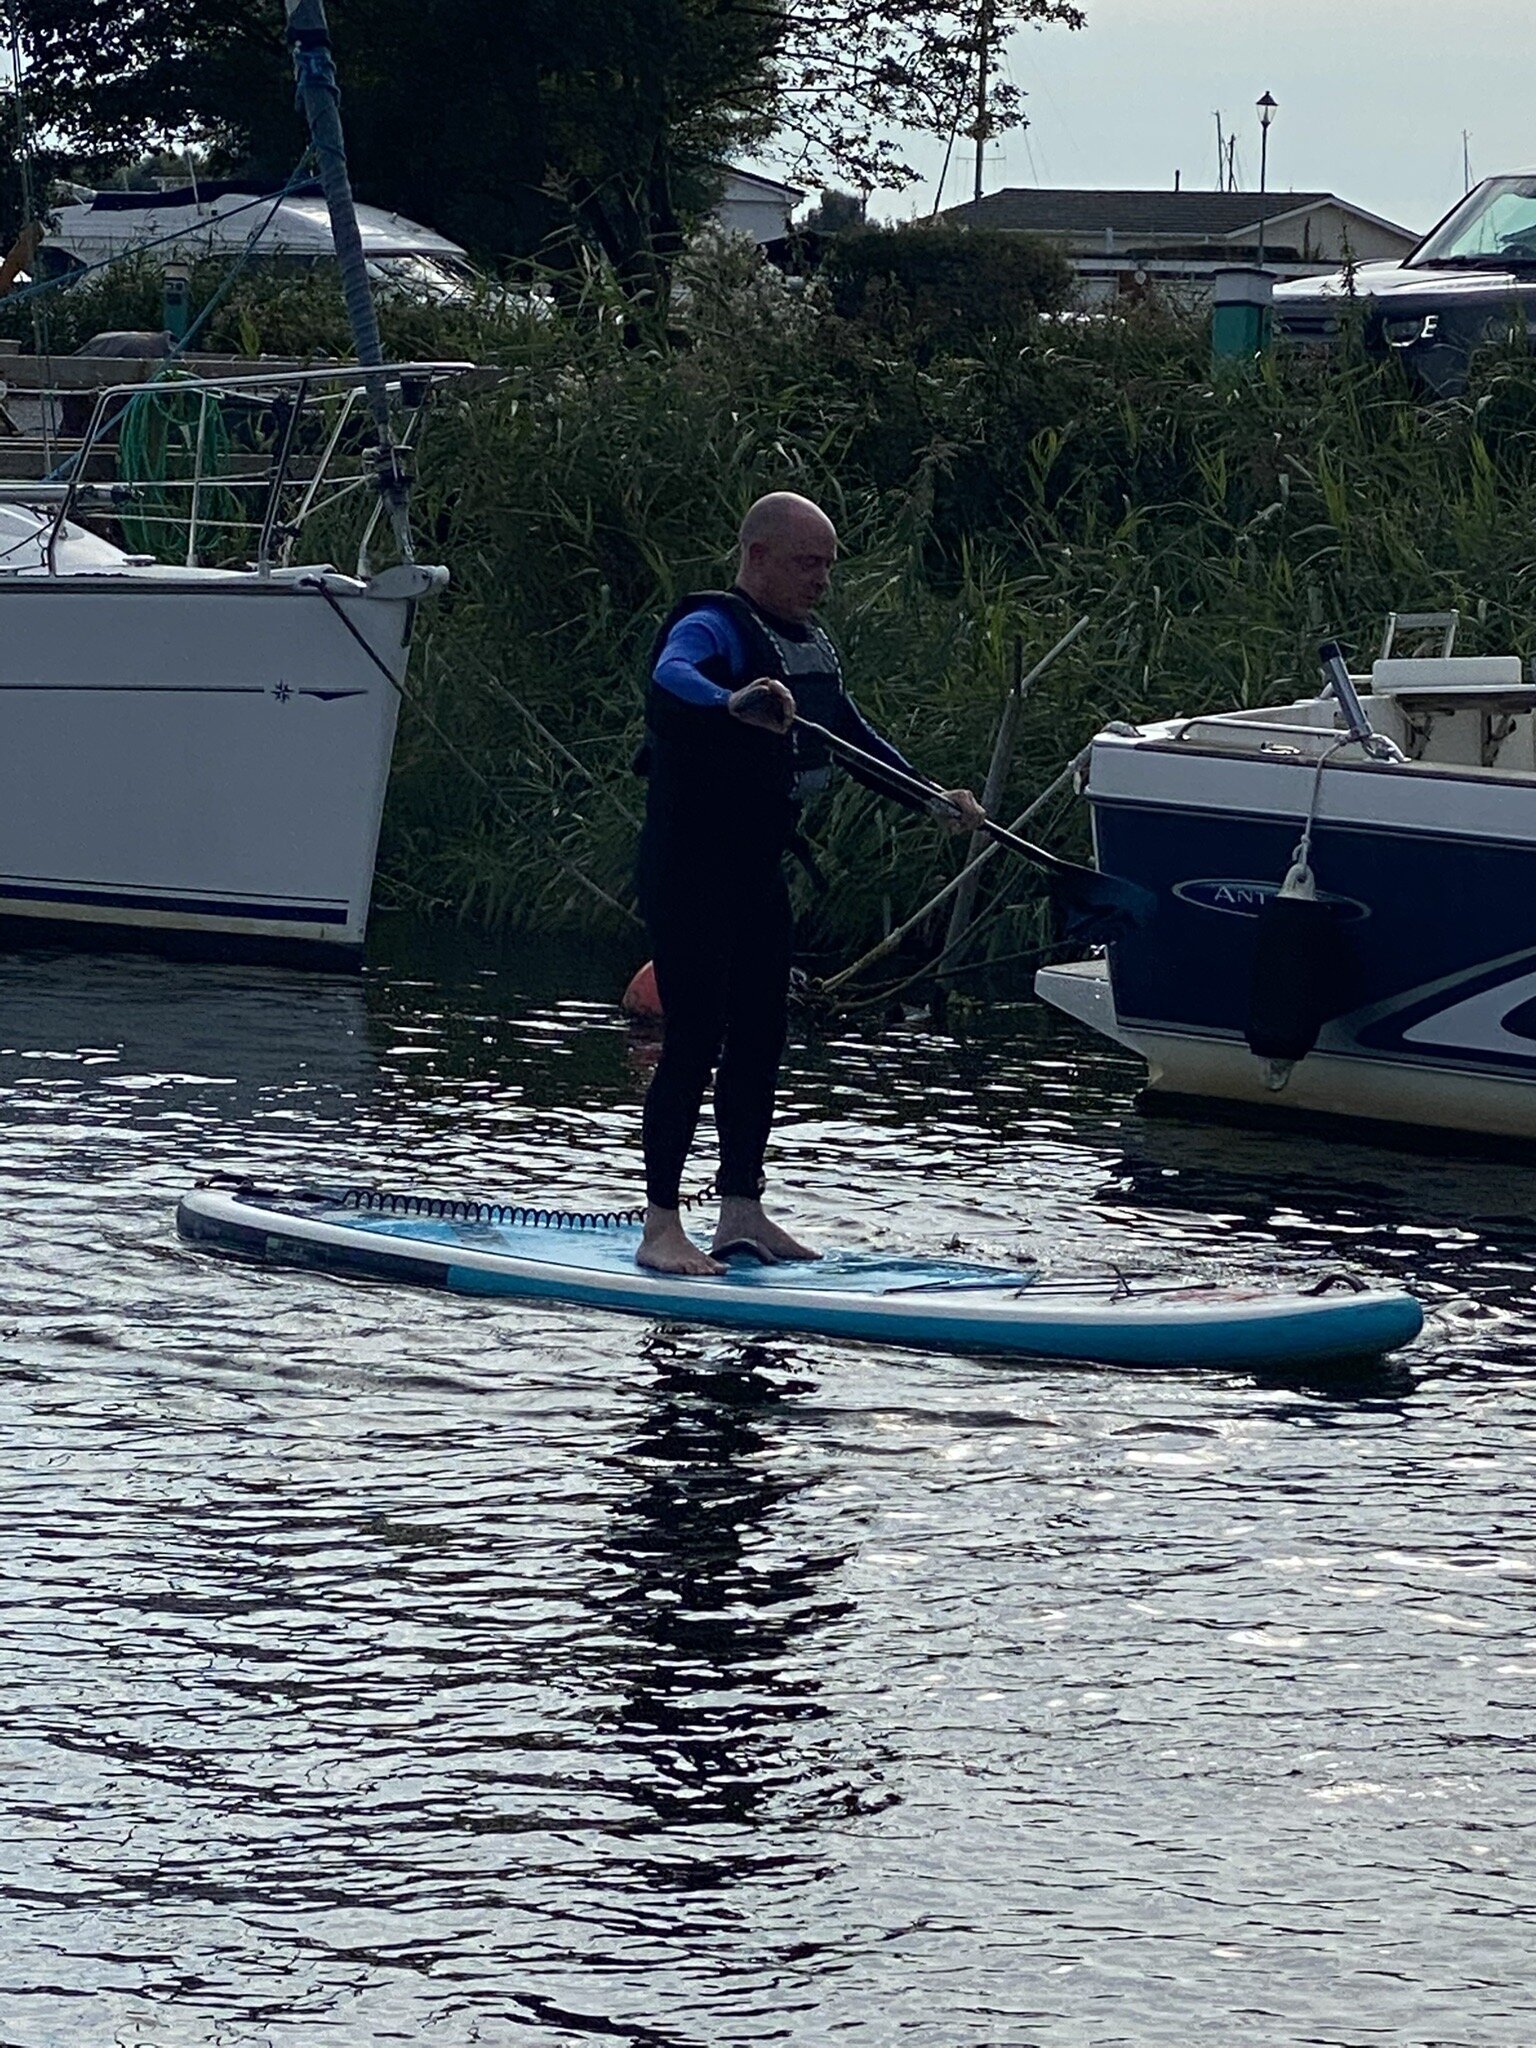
(1471,280)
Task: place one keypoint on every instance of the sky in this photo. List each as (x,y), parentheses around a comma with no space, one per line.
(1373,98)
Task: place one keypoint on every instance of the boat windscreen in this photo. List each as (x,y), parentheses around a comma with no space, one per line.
(425,273)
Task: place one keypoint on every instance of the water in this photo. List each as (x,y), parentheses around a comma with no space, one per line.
(380,1667)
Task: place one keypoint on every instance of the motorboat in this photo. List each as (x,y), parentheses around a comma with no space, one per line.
(1400,809)
(215,220)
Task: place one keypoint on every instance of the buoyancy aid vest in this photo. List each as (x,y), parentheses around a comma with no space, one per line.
(716,781)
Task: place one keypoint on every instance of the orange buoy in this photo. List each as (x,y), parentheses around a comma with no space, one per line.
(641,999)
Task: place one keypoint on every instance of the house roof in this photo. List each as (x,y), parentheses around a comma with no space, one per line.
(792,193)
(1191,215)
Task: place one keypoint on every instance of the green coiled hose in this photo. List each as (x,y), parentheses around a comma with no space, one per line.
(157,447)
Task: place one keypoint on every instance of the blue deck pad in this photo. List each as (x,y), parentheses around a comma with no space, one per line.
(612,1249)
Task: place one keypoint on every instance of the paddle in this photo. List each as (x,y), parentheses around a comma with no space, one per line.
(1091,908)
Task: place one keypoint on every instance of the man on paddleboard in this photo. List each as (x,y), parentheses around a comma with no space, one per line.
(727,774)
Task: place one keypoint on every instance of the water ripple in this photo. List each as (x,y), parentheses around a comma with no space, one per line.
(382,1667)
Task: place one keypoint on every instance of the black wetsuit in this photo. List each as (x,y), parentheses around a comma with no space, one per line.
(721,812)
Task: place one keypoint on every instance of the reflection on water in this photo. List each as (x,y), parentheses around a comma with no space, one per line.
(709,1620)
(387,1667)
(721,1609)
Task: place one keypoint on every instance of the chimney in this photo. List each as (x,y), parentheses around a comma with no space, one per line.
(1176,177)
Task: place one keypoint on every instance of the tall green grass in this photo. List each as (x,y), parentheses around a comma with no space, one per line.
(1212,529)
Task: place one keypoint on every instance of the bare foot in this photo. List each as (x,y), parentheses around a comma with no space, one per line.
(665,1247)
(740,1218)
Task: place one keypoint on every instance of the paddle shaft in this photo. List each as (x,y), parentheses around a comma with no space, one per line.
(931,794)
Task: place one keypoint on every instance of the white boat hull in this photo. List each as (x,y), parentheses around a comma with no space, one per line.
(1422,990)
(195,757)
(1326,1083)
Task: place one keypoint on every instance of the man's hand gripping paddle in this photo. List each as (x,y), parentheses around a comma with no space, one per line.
(1091,908)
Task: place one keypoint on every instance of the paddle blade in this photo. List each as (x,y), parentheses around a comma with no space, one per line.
(1092,909)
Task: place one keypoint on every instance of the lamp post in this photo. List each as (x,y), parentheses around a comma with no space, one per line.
(1266,106)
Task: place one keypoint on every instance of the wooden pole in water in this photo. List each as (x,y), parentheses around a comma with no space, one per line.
(1003,741)
(997,776)
(920,917)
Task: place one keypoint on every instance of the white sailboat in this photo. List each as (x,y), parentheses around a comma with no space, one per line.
(196,757)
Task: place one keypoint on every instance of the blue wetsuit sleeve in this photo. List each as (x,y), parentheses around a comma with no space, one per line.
(703,636)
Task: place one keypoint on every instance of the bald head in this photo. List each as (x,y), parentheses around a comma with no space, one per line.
(785,515)
(788,547)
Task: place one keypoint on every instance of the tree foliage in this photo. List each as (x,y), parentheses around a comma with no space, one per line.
(834,214)
(940,290)
(851,74)
(508,126)
(522,126)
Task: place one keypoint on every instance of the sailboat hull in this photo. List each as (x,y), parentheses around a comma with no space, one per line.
(194,761)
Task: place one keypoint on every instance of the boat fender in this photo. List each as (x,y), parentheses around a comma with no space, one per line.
(642,999)
(1298,974)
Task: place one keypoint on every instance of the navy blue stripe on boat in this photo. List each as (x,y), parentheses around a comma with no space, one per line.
(191,906)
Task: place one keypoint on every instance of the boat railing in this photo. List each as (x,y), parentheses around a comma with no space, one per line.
(205,463)
(1242,734)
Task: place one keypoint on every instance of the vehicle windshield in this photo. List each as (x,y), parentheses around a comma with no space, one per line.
(1495,226)
(428,276)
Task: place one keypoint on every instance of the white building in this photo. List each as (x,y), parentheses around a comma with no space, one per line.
(1124,243)
(756,206)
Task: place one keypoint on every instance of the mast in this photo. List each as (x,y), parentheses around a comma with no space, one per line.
(31,234)
(309,38)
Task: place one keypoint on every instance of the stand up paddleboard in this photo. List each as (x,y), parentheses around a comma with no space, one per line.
(497,1249)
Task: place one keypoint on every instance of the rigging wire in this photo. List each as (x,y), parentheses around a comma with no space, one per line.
(178,349)
(949,150)
(41,339)
(446,740)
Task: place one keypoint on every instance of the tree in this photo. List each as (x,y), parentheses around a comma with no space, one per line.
(939,289)
(836,212)
(850,74)
(503,122)
(521,125)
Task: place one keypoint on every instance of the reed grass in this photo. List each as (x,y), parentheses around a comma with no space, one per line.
(1213,528)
